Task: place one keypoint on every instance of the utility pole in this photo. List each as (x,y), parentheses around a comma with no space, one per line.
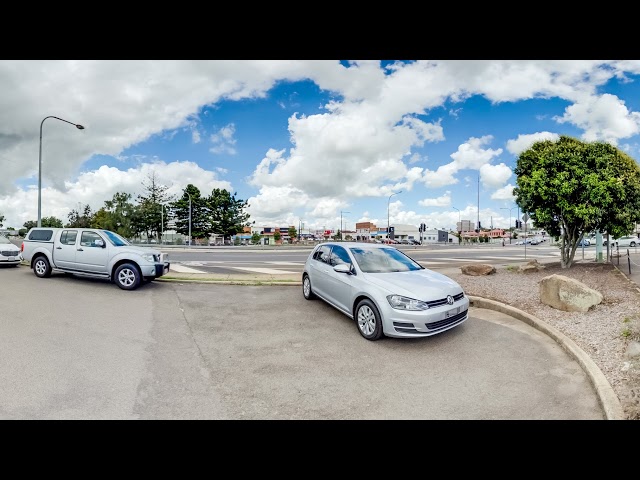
(478,227)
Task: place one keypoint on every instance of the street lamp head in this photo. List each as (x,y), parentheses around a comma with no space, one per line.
(79,127)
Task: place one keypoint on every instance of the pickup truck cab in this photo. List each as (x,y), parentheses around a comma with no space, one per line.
(92,252)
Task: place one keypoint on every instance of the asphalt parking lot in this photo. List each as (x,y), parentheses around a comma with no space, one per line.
(76,348)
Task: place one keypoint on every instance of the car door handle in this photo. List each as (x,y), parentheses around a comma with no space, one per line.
(58,248)
(81,250)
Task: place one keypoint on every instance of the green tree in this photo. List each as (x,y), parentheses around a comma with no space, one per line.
(200,214)
(77,220)
(227,213)
(22,232)
(570,187)
(120,214)
(293,233)
(255,238)
(277,236)
(51,222)
(148,217)
(1,220)
(29,224)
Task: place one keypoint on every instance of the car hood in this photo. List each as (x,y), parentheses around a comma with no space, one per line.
(419,284)
(138,250)
(6,247)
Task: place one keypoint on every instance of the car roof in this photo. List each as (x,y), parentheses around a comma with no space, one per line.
(358,244)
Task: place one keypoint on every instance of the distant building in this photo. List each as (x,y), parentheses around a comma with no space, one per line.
(466,226)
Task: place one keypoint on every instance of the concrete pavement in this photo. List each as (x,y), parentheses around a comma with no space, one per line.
(608,399)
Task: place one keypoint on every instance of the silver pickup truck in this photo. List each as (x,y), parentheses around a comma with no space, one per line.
(92,252)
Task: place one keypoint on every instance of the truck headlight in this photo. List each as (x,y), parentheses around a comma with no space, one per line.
(149,257)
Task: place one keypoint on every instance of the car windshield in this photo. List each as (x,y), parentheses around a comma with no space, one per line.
(4,239)
(116,239)
(383,260)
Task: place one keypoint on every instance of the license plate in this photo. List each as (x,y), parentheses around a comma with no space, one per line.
(12,259)
(452,312)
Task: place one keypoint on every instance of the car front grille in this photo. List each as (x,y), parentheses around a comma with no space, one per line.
(443,301)
(402,327)
(9,253)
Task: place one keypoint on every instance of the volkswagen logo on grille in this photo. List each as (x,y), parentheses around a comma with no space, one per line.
(449,299)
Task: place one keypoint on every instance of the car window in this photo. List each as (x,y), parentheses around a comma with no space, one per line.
(41,235)
(322,254)
(383,260)
(68,237)
(88,239)
(338,256)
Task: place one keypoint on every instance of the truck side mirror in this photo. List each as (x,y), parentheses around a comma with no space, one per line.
(99,243)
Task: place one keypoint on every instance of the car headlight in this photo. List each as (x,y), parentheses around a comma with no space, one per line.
(149,257)
(405,303)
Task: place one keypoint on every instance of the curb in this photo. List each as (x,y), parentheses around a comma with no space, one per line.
(606,395)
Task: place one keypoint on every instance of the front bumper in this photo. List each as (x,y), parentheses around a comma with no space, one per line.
(156,270)
(408,324)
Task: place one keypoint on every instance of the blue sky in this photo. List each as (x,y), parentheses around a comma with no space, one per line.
(302,141)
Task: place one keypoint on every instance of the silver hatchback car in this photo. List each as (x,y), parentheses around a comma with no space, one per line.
(384,290)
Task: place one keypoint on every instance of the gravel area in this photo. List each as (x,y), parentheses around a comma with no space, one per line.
(608,332)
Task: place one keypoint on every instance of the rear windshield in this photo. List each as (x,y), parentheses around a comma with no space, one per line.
(42,235)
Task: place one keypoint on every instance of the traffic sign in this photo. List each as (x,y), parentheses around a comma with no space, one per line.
(525,217)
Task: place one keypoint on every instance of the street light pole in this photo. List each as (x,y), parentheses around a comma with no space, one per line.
(341,212)
(189,217)
(510,209)
(79,127)
(389,200)
(459,221)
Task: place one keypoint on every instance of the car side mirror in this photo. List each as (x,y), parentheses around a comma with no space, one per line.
(99,243)
(343,268)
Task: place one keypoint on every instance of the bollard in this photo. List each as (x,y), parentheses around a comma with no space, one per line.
(629,261)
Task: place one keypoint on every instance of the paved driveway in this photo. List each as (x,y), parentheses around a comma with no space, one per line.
(74,348)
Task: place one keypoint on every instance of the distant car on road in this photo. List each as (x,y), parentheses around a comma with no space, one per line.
(627,241)
(585,242)
(384,290)
(9,252)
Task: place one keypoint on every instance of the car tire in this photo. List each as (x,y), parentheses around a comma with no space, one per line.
(127,276)
(632,244)
(42,267)
(368,320)
(307,292)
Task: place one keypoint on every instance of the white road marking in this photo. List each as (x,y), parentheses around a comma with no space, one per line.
(297,264)
(176,267)
(271,271)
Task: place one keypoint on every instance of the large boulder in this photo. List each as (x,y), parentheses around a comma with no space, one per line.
(477,270)
(568,294)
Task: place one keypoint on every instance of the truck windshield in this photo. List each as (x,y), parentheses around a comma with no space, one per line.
(116,239)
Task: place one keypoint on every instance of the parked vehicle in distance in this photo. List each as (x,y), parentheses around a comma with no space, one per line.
(414,242)
(384,290)
(627,241)
(585,242)
(92,252)
(9,253)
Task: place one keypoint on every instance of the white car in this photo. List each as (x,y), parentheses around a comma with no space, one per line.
(628,241)
(384,290)
(9,253)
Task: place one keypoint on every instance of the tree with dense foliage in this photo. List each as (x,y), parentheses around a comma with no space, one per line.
(277,236)
(569,188)
(200,218)
(255,238)
(51,222)
(227,213)
(1,220)
(293,234)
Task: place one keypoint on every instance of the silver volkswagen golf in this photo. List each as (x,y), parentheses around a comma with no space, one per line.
(384,290)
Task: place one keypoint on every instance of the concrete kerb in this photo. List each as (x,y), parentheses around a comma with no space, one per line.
(606,395)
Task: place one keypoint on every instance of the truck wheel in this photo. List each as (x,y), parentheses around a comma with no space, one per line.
(127,276)
(41,267)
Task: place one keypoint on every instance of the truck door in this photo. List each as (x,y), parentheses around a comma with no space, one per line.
(90,255)
(64,251)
